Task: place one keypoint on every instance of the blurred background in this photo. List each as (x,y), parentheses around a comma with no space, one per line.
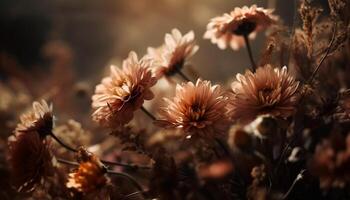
(54,48)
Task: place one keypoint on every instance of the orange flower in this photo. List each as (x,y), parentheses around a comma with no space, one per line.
(90,175)
(30,159)
(40,119)
(199,110)
(123,92)
(227,30)
(171,56)
(268,91)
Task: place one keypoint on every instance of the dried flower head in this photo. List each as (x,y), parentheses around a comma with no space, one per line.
(267,91)
(30,159)
(172,55)
(39,119)
(90,176)
(227,30)
(331,162)
(199,110)
(123,92)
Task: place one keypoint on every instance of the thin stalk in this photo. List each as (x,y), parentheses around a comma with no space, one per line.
(250,54)
(67,162)
(183,75)
(125,165)
(103,161)
(62,143)
(132,194)
(150,115)
(299,177)
(325,55)
(124,175)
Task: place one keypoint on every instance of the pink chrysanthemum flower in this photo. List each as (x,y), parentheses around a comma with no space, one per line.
(123,92)
(267,91)
(227,30)
(171,56)
(39,119)
(199,110)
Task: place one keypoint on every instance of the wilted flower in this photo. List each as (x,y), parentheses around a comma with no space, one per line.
(123,92)
(267,91)
(199,110)
(39,119)
(171,56)
(29,158)
(227,30)
(90,175)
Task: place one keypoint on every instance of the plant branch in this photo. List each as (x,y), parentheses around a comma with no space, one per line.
(103,161)
(325,55)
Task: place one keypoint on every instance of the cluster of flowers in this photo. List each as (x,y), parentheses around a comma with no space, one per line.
(245,138)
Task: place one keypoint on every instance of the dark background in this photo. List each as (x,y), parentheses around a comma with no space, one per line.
(98,33)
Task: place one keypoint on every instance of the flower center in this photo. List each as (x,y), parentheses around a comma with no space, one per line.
(196,114)
(245,28)
(266,97)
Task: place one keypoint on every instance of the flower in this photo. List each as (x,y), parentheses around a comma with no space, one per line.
(90,175)
(172,55)
(267,91)
(228,29)
(199,110)
(123,92)
(30,159)
(331,162)
(39,119)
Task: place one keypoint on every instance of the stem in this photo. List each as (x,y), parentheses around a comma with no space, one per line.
(62,143)
(325,55)
(67,162)
(182,75)
(124,175)
(299,177)
(132,194)
(125,165)
(103,161)
(150,115)
(246,40)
